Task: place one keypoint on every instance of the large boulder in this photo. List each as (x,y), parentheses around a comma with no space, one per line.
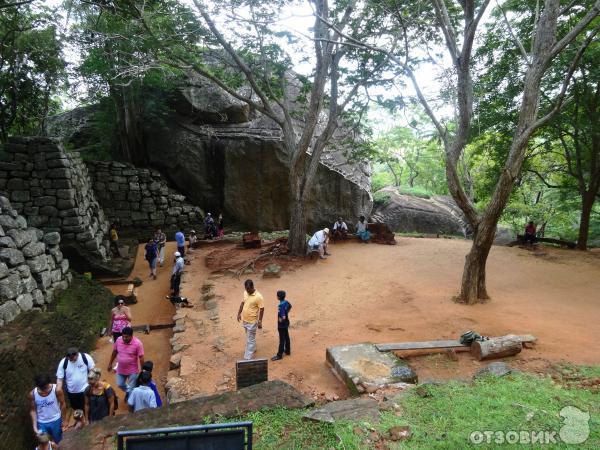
(411,214)
(226,157)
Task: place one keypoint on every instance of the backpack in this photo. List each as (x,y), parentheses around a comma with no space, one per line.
(471,336)
(66,363)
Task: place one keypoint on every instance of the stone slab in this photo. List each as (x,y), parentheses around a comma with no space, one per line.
(353,409)
(250,372)
(362,365)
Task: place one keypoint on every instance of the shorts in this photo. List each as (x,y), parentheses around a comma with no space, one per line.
(77,401)
(54,429)
(152,263)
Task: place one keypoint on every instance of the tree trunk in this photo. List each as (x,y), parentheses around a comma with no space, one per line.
(297,236)
(500,347)
(473,288)
(587,202)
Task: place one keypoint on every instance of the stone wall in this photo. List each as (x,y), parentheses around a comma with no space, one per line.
(136,197)
(50,188)
(32,266)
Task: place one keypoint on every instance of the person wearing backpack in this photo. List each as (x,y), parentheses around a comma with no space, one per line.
(71,376)
(100,399)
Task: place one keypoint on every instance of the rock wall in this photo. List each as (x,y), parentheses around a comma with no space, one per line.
(51,189)
(32,267)
(139,197)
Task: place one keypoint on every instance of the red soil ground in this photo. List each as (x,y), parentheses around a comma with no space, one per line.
(380,293)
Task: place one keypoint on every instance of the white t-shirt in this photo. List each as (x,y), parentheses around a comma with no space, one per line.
(341,226)
(77,373)
(317,239)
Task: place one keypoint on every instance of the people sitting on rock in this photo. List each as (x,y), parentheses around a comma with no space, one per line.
(210,229)
(530,233)
(340,230)
(319,242)
(362,230)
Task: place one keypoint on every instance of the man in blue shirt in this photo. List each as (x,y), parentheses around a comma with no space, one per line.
(180,240)
(283,324)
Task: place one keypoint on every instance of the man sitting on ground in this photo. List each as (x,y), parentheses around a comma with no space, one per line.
(319,242)
(362,230)
(340,230)
(530,233)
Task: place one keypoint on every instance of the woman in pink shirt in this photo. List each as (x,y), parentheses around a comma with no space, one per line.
(120,317)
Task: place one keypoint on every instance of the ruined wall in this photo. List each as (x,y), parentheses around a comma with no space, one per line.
(51,189)
(32,266)
(136,197)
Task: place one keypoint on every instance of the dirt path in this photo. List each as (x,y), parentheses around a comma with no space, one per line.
(152,308)
(381,293)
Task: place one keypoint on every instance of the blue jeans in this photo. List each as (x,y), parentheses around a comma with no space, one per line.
(54,429)
(127,382)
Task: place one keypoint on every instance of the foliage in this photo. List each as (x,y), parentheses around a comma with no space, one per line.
(32,69)
(444,416)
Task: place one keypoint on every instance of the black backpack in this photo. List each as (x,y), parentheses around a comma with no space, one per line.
(66,363)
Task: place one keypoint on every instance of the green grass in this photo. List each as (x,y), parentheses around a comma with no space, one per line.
(444,416)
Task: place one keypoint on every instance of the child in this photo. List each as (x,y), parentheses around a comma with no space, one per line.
(283,323)
(142,397)
(147,367)
(45,443)
(78,416)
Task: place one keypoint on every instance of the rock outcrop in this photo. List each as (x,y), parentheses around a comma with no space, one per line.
(410,214)
(225,157)
(32,267)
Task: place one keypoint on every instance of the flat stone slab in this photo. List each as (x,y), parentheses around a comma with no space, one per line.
(361,366)
(353,409)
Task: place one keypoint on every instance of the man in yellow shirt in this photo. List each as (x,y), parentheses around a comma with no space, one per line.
(250,314)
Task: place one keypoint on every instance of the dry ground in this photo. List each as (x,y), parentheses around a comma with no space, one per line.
(381,293)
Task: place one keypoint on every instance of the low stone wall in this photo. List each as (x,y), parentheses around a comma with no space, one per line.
(50,188)
(32,267)
(134,197)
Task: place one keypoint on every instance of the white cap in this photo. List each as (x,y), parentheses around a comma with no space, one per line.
(177,254)
(193,231)
(326,230)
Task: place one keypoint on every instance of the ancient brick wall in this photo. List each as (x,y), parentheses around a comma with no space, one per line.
(135,197)
(51,189)
(32,267)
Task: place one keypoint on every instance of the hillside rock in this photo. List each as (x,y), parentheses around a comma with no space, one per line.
(410,214)
(225,157)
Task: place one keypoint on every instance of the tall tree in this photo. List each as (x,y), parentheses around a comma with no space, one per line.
(32,68)
(457,23)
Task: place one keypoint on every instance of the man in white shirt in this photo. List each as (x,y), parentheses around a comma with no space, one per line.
(319,242)
(340,230)
(73,369)
(176,275)
(142,397)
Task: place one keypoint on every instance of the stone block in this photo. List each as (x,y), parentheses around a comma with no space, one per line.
(352,410)
(38,297)
(51,238)
(62,184)
(7,242)
(85,235)
(45,200)
(7,222)
(44,280)
(22,237)
(66,203)
(59,173)
(50,192)
(54,222)
(56,275)
(16,184)
(134,186)
(64,265)
(34,249)
(68,212)
(54,163)
(119,195)
(92,245)
(50,211)
(174,211)
(3,270)
(38,221)
(71,221)
(9,311)
(9,286)
(38,264)
(31,210)
(46,184)
(11,256)
(25,302)
(24,271)
(20,196)
(27,285)
(65,193)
